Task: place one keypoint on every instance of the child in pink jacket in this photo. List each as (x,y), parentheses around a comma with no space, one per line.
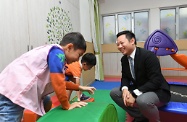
(31,77)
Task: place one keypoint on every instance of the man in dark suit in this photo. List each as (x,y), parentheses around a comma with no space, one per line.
(143,87)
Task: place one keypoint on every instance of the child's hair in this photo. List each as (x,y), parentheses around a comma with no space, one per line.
(76,39)
(89,59)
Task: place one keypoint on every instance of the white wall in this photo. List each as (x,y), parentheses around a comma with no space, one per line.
(14,30)
(23,24)
(112,64)
(85,20)
(113,6)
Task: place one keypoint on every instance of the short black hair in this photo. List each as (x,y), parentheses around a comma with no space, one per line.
(76,39)
(129,35)
(89,59)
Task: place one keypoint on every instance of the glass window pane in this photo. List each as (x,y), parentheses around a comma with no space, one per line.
(167,22)
(183,23)
(124,22)
(109,29)
(141,22)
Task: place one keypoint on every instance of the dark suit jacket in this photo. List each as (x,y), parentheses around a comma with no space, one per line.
(148,74)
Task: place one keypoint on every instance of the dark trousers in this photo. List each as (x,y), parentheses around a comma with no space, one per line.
(146,105)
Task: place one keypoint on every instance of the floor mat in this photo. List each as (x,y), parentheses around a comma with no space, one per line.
(105,85)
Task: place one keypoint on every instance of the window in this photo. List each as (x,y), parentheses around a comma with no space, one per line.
(183,23)
(109,29)
(137,22)
(167,22)
(173,22)
(124,22)
(141,29)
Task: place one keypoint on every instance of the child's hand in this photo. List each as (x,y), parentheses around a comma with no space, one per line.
(89,89)
(77,105)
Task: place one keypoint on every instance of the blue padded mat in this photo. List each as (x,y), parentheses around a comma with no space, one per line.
(175,107)
(102,85)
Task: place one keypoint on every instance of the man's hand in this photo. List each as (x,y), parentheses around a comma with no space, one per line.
(130,101)
(77,105)
(89,89)
(125,95)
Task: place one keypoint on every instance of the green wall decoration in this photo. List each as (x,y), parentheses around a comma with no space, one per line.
(58,24)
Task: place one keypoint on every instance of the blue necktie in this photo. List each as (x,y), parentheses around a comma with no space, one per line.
(131,66)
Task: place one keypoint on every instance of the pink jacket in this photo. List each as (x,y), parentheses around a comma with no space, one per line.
(29,81)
